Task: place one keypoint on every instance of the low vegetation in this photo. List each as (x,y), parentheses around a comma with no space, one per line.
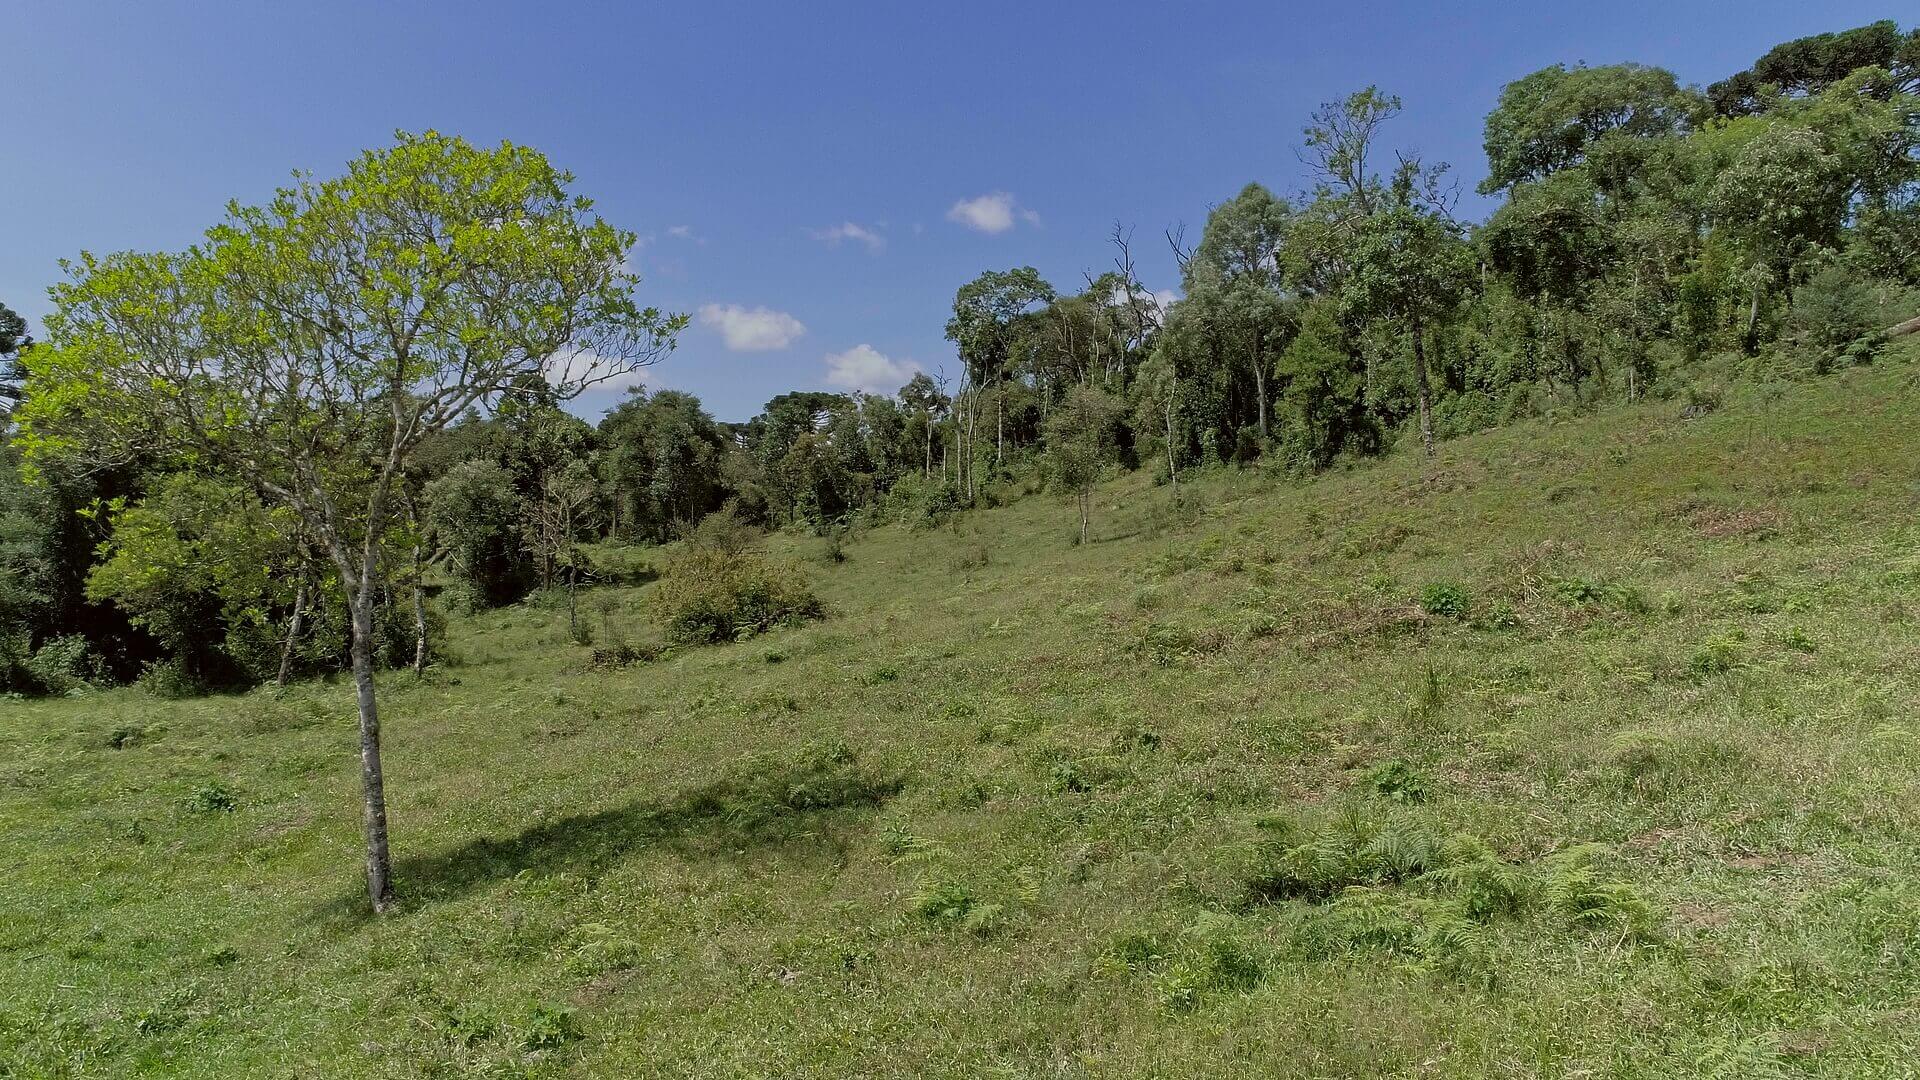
(1590,783)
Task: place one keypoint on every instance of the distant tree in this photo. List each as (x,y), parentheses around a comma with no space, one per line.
(561,516)
(1080,442)
(1547,121)
(1806,66)
(926,404)
(1403,258)
(661,462)
(203,567)
(310,345)
(1237,270)
(13,338)
(471,513)
(987,316)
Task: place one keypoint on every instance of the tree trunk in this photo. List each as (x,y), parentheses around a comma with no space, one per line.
(1086,498)
(419,615)
(1000,435)
(293,631)
(373,784)
(1420,383)
(1173,470)
(1898,330)
(1260,387)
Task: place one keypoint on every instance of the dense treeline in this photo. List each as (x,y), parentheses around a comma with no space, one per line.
(1768,223)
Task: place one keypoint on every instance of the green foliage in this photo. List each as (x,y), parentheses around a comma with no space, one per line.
(473,511)
(214,798)
(711,594)
(61,666)
(549,1027)
(1575,889)
(1400,782)
(1445,599)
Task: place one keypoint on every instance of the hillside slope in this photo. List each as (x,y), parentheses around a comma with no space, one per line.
(1587,749)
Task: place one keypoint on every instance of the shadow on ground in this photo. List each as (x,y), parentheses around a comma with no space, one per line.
(763,803)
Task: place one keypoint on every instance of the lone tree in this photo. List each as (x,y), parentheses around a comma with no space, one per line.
(308,346)
(1080,441)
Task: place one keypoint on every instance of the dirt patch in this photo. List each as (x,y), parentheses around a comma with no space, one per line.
(1733,522)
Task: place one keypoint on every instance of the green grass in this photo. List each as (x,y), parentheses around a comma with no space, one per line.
(1591,748)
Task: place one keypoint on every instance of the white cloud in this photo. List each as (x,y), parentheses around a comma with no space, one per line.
(848,230)
(991,213)
(685,232)
(1158,299)
(752,329)
(867,369)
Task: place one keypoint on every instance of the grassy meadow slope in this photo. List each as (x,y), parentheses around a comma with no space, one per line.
(1241,790)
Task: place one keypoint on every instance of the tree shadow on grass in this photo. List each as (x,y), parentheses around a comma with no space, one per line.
(765,803)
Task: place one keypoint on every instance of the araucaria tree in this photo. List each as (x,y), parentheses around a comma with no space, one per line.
(306,347)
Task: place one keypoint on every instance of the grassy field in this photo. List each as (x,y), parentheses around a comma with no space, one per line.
(1590,749)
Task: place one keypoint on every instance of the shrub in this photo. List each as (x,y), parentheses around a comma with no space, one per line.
(713,594)
(214,798)
(1445,599)
(1831,309)
(947,902)
(168,680)
(1400,782)
(60,665)
(1214,954)
(625,654)
(1576,890)
(549,1027)
(1713,658)
(1351,851)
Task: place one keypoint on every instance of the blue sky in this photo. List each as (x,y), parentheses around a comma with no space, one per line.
(811,181)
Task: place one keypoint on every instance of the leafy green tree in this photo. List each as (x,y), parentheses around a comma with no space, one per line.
(1547,121)
(927,404)
(1403,259)
(1237,270)
(472,513)
(661,462)
(205,568)
(1080,443)
(1806,66)
(310,345)
(989,314)
(13,338)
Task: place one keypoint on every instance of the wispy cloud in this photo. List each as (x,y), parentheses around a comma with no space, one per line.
(868,370)
(992,213)
(752,329)
(849,230)
(685,232)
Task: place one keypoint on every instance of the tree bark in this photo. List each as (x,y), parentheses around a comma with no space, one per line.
(419,617)
(1173,469)
(293,631)
(1420,383)
(1086,497)
(373,784)
(1899,330)
(1260,386)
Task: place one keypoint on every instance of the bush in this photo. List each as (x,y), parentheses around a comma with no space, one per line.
(212,798)
(1400,782)
(1831,310)
(60,665)
(712,594)
(169,681)
(1445,599)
